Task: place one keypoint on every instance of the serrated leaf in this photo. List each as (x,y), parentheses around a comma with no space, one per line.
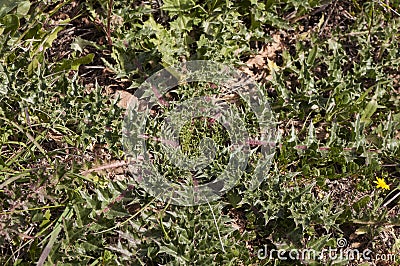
(167,250)
(47,41)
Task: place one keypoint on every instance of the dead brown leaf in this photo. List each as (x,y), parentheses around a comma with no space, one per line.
(124,98)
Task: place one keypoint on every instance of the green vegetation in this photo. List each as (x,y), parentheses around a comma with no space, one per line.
(331,73)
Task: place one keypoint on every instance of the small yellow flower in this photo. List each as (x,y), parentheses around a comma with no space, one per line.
(272,66)
(380,183)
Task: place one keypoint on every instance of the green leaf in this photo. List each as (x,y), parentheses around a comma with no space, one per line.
(182,23)
(73,64)
(10,23)
(167,250)
(7,6)
(33,65)
(67,214)
(79,44)
(47,41)
(23,8)
(362,230)
(369,110)
(177,6)
(319,243)
(360,204)
(312,55)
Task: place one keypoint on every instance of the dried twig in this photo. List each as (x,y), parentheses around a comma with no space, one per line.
(104,167)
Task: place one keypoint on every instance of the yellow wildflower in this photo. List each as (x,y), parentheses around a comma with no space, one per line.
(380,183)
(272,66)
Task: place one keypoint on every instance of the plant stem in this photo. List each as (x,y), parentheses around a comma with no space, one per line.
(110,6)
